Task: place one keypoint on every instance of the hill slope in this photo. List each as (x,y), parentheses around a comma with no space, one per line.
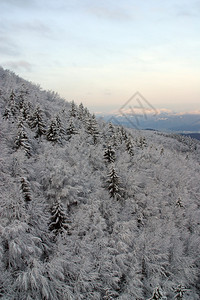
(90,210)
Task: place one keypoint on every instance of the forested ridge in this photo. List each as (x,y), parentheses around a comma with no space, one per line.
(89,210)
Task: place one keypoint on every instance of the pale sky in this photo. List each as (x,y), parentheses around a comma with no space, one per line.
(102,52)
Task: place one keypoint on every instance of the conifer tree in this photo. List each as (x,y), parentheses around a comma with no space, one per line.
(25,190)
(22,141)
(120,135)
(73,110)
(179,203)
(7,113)
(124,134)
(22,96)
(71,130)
(12,103)
(129,146)
(92,128)
(113,181)
(114,140)
(61,129)
(52,132)
(37,123)
(180,291)
(109,154)
(111,130)
(58,218)
(21,102)
(25,111)
(11,109)
(86,112)
(81,111)
(142,142)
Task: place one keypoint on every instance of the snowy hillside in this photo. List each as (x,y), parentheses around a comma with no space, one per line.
(90,210)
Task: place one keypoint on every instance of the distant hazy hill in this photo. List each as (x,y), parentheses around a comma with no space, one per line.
(193,135)
(162,121)
(92,211)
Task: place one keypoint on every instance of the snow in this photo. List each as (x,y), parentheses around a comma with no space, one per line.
(113,249)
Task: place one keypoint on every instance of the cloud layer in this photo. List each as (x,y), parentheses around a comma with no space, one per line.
(106,50)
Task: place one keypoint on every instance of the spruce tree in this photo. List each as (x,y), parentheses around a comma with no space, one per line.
(25,111)
(179,203)
(25,190)
(12,107)
(142,142)
(129,147)
(71,130)
(109,154)
(7,113)
(13,104)
(81,111)
(111,130)
(114,141)
(124,134)
(37,123)
(22,141)
(180,291)
(22,96)
(61,129)
(114,185)
(21,101)
(58,218)
(52,133)
(120,135)
(86,113)
(73,110)
(92,128)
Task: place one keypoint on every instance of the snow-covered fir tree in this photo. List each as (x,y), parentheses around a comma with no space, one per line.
(58,221)
(25,189)
(129,146)
(73,110)
(142,142)
(11,108)
(81,112)
(92,128)
(111,129)
(22,140)
(179,292)
(179,203)
(109,154)
(52,132)
(114,184)
(25,111)
(71,129)
(60,128)
(37,123)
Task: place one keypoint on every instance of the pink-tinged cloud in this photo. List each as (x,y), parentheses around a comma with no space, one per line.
(141,111)
(148,111)
(193,112)
(20,65)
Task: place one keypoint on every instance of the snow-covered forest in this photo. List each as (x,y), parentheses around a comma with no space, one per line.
(93,211)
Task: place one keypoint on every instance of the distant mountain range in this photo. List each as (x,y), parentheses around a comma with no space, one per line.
(186,123)
(193,135)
